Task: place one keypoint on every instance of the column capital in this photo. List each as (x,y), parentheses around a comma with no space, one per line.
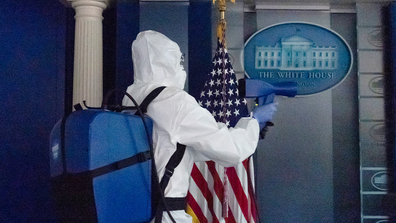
(73,3)
(99,3)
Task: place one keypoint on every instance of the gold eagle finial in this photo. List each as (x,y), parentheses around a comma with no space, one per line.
(222,26)
(222,6)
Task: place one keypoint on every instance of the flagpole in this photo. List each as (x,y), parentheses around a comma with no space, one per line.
(222,26)
(221,29)
(219,194)
(222,8)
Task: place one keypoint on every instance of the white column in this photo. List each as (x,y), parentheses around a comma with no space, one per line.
(88,52)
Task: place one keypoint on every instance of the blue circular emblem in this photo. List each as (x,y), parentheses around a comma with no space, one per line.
(314,57)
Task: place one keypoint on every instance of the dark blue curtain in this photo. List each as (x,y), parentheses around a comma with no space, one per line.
(32,89)
(36,66)
(199,45)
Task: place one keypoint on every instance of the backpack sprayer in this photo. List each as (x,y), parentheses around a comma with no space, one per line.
(265,93)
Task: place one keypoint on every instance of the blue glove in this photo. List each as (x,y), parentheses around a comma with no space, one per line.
(264,113)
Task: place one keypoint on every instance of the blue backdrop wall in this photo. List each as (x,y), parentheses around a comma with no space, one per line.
(36,66)
(32,78)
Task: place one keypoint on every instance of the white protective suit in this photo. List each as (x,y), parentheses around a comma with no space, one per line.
(178,117)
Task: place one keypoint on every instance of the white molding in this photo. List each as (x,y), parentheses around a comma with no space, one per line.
(164,1)
(343,8)
(292,6)
(333,8)
(68,3)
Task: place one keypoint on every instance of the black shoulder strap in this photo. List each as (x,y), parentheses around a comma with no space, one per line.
(149,98)
(177,156)
(173,162)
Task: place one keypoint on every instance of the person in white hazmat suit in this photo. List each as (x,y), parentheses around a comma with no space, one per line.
(178,118)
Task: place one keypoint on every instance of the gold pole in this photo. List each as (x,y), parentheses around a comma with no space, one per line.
(222,8)
(221,29)
(222,26)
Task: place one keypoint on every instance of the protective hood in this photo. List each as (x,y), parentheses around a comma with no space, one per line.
(157,60)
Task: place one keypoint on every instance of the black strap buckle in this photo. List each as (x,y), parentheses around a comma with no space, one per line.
(168,172)
(142,157)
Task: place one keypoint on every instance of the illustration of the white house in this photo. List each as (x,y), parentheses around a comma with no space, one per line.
(296,53)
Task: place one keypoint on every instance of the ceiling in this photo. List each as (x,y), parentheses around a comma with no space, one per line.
(334,5)
(330,1)
(320,1)
(274,2)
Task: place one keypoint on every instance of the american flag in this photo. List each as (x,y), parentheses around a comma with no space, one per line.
(219,194)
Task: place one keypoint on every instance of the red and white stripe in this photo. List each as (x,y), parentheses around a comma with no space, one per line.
(206,196)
